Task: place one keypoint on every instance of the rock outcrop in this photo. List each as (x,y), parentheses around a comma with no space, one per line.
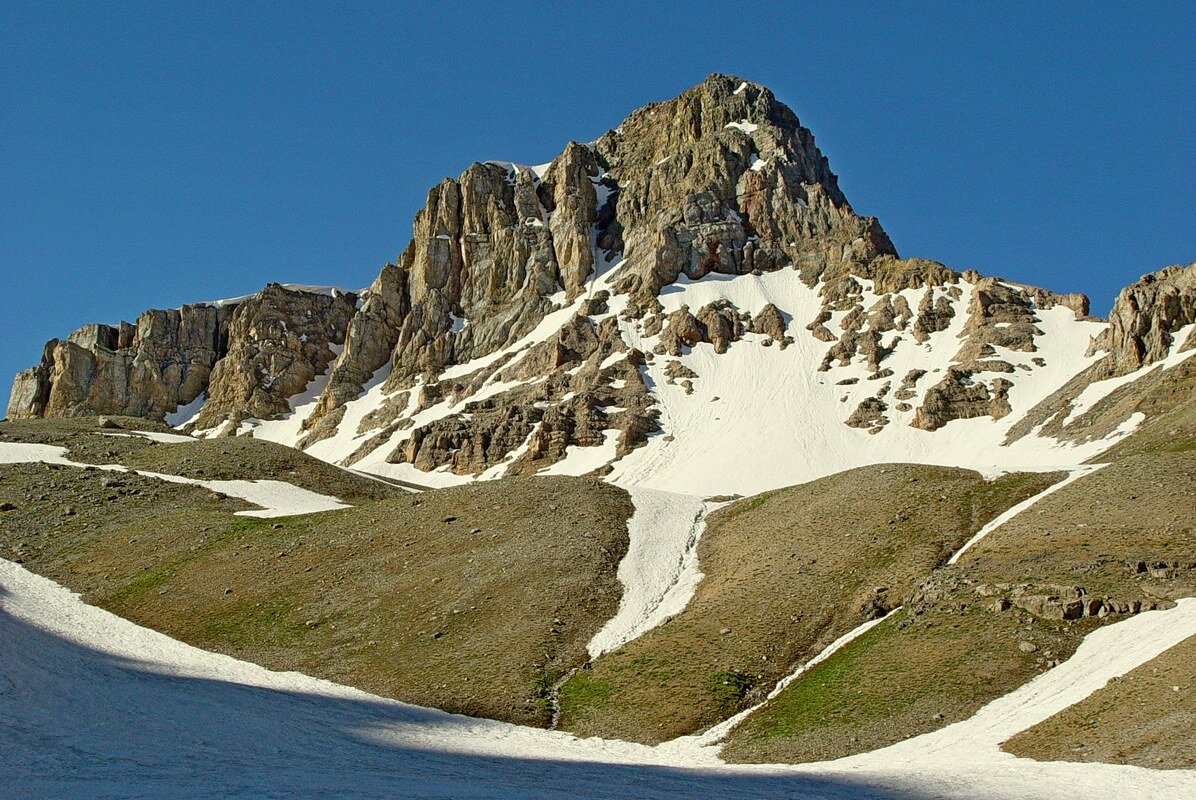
(278,339)
(721,181)
(1146,326)
(591,389)
(1145,317)
(148,368)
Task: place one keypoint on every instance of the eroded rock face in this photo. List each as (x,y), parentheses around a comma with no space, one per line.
(717,323)
(31,387)
(720,181)
(146,369)
(369,340)
(589,392)
(725,179)
(1145,316)
(961,394)
(999,315)
(1145,325)
(771,323)
(279,340)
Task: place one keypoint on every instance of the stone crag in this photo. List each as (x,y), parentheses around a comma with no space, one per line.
(722,180)
(248,357)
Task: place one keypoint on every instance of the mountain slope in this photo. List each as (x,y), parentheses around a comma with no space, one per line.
(696,265)
(689,310)
(1144,718)
(1117,540)
(193,724)
(472,599)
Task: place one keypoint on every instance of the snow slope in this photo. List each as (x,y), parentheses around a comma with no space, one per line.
(660,571)
(758,418)
(95,706)
(761,418)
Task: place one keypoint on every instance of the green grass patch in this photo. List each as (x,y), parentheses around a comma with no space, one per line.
(827,693)
(580,692)
(245,623)
(139,585)
(729,687)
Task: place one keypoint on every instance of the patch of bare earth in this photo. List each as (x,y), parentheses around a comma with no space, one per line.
(1146,717)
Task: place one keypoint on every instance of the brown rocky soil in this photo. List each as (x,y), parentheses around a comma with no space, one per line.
(908,675)
(474,599)
(786,573)
(1113,543)
(1146,717)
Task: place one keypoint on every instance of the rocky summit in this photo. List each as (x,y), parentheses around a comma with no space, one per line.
(659,442)
(546,314)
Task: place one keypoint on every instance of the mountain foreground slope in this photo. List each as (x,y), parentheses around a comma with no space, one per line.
(660,442)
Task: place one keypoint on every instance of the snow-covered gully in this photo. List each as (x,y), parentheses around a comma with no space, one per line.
(95,706)
(660,571)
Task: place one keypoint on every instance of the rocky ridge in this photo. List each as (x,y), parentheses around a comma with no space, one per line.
(534,313)
(246,356)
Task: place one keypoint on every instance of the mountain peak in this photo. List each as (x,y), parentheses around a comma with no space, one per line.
(564,317)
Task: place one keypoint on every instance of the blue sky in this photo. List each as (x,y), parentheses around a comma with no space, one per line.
(152,158)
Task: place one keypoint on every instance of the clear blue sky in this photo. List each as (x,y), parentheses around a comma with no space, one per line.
(152,158)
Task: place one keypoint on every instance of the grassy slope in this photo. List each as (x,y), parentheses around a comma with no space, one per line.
(478,615)
(1147,718)
(919,672)
(1140,718)
(786,573)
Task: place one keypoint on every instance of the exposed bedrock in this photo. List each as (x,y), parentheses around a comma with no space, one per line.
(721,180)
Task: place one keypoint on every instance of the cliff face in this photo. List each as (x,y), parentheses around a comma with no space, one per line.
(538,312)
(1146,318)
(249,356)
(722,179)
(149,368)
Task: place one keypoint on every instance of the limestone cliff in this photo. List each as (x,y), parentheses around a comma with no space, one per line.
(147,368)
(1146,317)
(539,311)
(249,356)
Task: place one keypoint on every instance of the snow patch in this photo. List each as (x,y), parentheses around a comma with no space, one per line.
(743,125)
(156,436)
(580,460)
(660,571)
(188,413)
(275,498)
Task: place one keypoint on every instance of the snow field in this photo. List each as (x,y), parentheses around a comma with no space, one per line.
(660,571)
(95,706)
